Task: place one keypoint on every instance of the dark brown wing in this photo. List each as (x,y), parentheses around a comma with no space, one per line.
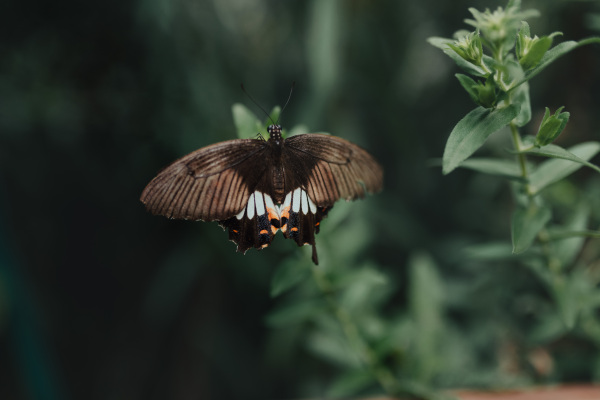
(212,183)
(335,168)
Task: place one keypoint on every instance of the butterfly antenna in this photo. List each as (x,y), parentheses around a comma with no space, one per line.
(258,105)
(288,100)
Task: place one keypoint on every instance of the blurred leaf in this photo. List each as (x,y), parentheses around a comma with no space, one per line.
(526,224)
(489,251)
(362,288)
(350,383)
(521,97)
(494,166)
(295,313)
(567,249)
(425,302)
(572,293)
(472,131)
(548,329)
(334,347)
(288,275)
(298,130)
(273,116)
(246,123)
(552,171)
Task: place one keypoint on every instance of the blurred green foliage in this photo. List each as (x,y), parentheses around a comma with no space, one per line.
(98,299)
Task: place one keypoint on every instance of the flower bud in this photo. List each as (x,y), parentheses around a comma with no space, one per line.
(551,126)
(469,47)
(530,50)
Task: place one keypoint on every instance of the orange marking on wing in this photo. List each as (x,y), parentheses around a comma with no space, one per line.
(294,229)
(235,231)
(264,232)
(273,215)
(285,213)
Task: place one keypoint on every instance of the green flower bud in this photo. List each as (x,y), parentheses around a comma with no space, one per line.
(551,126)
(484,94)
(469,47)
(530,50)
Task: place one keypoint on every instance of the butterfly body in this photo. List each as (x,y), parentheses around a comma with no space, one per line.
(256,187)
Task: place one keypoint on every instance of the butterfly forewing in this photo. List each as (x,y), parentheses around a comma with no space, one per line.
(212,183)
(340,169)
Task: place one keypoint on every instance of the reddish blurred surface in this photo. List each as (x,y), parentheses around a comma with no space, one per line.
(575,392)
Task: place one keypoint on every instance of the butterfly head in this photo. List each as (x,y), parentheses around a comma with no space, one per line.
(274,132)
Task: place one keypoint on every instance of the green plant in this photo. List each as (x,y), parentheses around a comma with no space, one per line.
(552,226)
(345,311)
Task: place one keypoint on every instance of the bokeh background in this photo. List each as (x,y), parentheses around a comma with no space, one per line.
(100,300)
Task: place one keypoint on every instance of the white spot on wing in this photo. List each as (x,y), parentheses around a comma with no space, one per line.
(296,200)
(313,207)
(260,203)
(240,215)
(250,207)
(304,202)
(269,203)
(288,201)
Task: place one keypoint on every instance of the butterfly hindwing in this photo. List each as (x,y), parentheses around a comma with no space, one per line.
(256,225)
(212,183)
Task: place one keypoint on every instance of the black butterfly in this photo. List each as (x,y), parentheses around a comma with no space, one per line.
(255,187)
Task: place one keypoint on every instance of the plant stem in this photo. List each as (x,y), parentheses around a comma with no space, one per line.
(543,235)
(522,158)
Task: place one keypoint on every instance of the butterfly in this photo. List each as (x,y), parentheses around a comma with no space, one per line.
(256,187)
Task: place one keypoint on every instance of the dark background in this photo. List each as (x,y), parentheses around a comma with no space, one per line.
(100,300)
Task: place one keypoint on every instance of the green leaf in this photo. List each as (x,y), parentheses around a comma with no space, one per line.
(491,251)
(246,123)
(572,294)
(555,151)
(287,276)
(362,288)
(273,116)
(569,247)
(443,44)
(561,234)
(566,162)
(472,131)
(425,301)
(554,53)
(299,130)
(526,224)
(334,347)
(521,97)
(494,166)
